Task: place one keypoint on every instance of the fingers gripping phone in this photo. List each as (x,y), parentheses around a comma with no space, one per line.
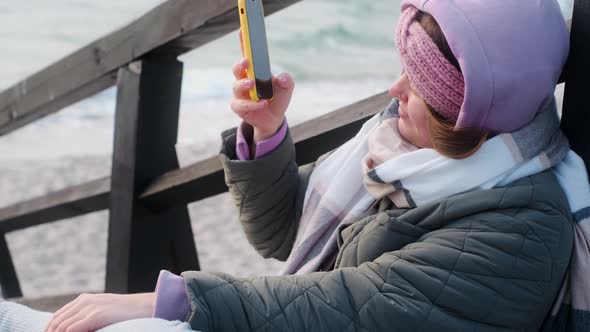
(255,48)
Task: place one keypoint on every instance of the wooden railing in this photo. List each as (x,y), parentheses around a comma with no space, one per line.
(147,193)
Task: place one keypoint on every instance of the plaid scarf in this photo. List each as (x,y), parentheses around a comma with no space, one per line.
(377,162)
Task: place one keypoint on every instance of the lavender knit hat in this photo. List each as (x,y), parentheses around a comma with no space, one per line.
(511,54)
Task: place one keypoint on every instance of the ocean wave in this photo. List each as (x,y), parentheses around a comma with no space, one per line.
(335,37)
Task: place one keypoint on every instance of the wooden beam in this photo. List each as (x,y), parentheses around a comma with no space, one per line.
(67,203)
(189,184)
(575,117)
(173,28)
(8,279)
(141,242)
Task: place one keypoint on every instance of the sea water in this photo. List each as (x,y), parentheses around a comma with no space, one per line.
(338,51)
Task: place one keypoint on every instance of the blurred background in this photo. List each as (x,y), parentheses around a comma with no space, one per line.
(338,51)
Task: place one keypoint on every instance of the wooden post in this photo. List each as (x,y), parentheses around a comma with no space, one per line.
(143,241)
(575,117)
(8,279)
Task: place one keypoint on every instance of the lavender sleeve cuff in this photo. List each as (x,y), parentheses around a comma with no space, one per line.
(171,299)
(263,147)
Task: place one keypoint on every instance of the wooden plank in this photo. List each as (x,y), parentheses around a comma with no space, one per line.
(67,203)
(141,242)
(575,118)
(189,184)
(8,279)
(173,28)
(121,200)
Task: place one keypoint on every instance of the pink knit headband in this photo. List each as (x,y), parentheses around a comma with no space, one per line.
(430,73)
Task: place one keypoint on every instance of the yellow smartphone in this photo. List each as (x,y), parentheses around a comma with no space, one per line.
(255,48)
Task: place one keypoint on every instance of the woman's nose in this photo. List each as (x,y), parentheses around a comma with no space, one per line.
(398,89)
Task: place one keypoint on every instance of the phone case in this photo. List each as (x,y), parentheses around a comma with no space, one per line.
(247,46)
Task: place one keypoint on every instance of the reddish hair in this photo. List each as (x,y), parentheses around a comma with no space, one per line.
(456,143)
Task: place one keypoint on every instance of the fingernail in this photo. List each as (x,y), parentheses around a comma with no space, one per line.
(248,83)
(284,82)
(245,63)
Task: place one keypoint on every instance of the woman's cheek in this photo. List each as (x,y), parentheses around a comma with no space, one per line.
(418,114)
(405,130)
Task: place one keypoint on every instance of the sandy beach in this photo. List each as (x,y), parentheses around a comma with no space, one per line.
(69,256)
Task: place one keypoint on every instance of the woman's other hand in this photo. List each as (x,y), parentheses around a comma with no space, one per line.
(266,117)
(90,312)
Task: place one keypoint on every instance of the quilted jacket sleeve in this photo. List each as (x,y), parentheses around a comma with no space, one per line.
(498,269)
(268,193)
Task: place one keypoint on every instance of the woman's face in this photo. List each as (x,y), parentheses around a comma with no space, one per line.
(412,113)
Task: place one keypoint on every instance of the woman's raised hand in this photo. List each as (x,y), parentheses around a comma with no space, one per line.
(266,117)
(90,312)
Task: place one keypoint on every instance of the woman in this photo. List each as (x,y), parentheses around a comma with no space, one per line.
(450,210)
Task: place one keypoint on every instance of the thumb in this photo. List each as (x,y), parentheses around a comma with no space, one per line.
(283,86)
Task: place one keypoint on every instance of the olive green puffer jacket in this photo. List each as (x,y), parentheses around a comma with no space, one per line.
(491,260)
